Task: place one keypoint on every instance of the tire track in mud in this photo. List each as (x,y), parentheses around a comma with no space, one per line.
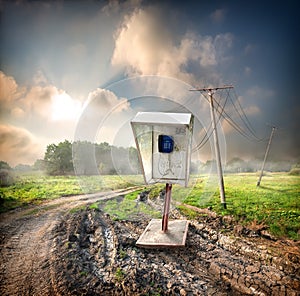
(26,244)
(101,264)
(210,264)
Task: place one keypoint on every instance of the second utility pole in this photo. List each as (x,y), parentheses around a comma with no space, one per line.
(265,158)
(216,140)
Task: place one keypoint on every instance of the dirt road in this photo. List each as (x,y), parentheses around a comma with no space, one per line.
(48,250)
(26,241)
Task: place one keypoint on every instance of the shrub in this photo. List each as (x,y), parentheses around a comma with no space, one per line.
(294,172)
(6,178)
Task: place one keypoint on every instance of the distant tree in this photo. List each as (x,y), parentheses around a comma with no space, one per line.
(194,169)
(39,165)
(64,151)
(134,161)
(50,158)
(58,159)
(23,167)
(4,165)
(6,177)
(84,159)
(105,159)
(236,165)
(210,166)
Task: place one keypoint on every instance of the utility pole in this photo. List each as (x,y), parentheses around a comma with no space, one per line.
(266,154)
(210,92)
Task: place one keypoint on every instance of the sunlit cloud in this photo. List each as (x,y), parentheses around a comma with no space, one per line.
(41,109)
(103,110)
(18,113)
(248,106)
(144,46)
(104,100)
(9,91)
(39,101)
(64,108)
(17,145)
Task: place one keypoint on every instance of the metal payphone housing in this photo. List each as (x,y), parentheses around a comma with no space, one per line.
(163,142)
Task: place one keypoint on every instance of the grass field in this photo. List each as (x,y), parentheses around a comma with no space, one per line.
(275,204)
(29,189)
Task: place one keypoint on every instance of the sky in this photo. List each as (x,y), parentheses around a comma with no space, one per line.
(81,70)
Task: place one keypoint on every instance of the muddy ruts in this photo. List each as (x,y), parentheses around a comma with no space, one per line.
(85,252)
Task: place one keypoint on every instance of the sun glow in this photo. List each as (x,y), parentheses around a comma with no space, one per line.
(65,108)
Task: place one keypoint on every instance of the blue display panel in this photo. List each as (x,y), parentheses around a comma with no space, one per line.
(165,144)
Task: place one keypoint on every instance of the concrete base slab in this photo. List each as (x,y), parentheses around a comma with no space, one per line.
(154,237)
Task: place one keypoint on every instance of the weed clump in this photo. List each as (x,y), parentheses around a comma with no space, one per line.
(294,172)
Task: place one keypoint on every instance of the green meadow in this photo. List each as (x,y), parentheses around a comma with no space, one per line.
(33,189)
(275,204)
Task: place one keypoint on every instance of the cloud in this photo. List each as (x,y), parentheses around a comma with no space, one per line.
(227,127)
(198,48)
(252,110)
(17,145)
(144,46)
(64,108)
(37,101)
(116,6)
(259,92)
(141,42)
(40,79)
(33,117)
(43,101)
(9,90)
(103,108)
(104,101)
(18,113)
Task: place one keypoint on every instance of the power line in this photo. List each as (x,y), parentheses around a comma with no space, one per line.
(229,119)
(210,129)
(235,125)
(248,132)
(210,92)
(246,121)
(244,117)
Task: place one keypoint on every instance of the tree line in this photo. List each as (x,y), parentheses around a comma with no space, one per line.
(83,158)
(86,158)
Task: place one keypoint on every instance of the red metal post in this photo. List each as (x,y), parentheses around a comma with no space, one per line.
(166,208)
